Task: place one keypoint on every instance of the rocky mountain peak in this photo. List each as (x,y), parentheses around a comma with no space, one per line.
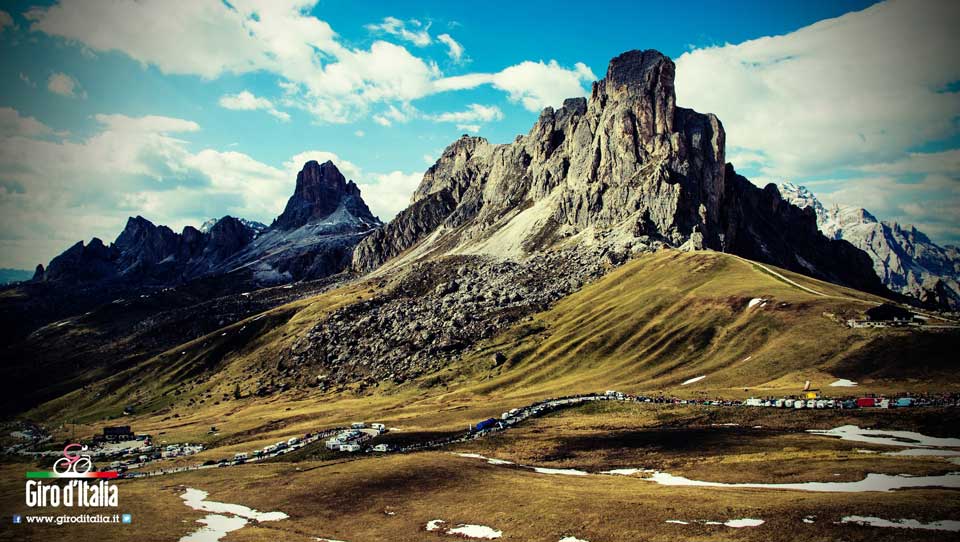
(904,258)
(320,191)
(625,171)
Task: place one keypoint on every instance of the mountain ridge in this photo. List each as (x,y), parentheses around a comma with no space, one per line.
(904,258)
(625,170)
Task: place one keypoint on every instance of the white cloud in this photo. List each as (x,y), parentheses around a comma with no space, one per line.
(390,192)
(843,92)
(5,20)
(454,48)
(394,114)
(247,101)
(474,112)
(417,33)
(359,133)
(468,128)
(944,162)
(64,85)
(55,191)
(13,124)
(317,71)
(533,84)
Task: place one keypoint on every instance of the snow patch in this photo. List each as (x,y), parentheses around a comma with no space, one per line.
(624,472)
(475,531)
(890,438)
(873,482)
(692,380)
(225,519)
(945,525)
(754,302)
(843,383)
(567,472)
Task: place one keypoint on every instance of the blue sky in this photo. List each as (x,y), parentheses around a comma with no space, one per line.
(184,110)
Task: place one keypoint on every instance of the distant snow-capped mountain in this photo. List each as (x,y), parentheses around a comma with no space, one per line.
(257,227)
(905,259)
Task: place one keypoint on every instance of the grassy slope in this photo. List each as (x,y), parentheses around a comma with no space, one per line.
(645,327)
(672,316)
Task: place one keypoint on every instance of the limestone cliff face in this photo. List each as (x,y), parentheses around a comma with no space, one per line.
(625,169)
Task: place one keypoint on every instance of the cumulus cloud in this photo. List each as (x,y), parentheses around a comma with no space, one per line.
(844,102)
(318,73)
(454,48)
(13,124)
(389,193)
(5,20)
(64,85)
(474,112)
(944,162)
(247,101)
(856,89)
(55,191)
(395,114)
(416,33)
(535,85)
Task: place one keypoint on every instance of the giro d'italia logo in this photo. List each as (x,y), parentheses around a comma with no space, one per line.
(73,464)
(74,493)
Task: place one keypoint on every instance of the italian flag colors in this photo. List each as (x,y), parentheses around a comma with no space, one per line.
(49,474)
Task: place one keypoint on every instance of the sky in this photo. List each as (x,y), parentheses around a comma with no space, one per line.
(183,110)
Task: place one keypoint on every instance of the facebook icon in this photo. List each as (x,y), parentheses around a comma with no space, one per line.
(17,518)
(126,518)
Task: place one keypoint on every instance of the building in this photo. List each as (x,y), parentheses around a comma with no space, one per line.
(118,433)
(350,447)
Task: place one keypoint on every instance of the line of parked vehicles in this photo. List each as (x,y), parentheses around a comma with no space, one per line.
(351,439)
(862,402)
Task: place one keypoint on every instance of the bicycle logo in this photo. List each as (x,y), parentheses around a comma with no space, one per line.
(72,461)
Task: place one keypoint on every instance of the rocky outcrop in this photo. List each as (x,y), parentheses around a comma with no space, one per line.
(904,258)
(320,192)
(424,319)
(625,170)
(762,226)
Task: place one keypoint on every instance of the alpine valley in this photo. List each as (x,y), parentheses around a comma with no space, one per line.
(611,247)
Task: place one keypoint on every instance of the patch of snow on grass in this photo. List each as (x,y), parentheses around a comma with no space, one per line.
(225,519)
(677,521)
(572,539)
(216,527)
(754,302)
(692,380)
(197,499)
(568,472)
(873,482)
(890,438)
(624,472)
(843,383)
(475,531)
(434,524)
(743,522)
(945,525)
